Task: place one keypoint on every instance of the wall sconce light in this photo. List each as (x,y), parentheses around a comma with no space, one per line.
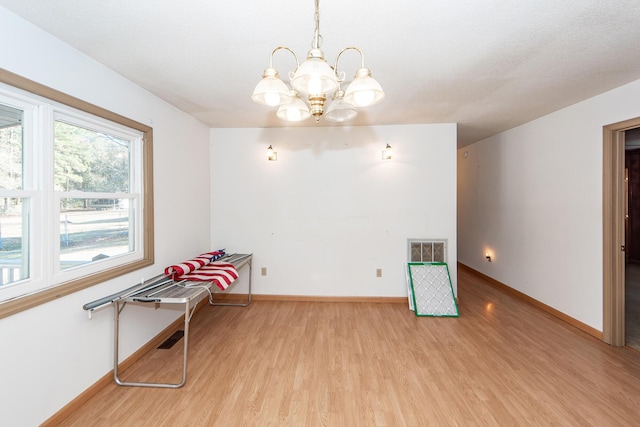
(271,155)
(487,256)
(387,152)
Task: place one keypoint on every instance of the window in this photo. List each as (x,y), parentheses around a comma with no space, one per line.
(92,171)
(14,206)
(76,204)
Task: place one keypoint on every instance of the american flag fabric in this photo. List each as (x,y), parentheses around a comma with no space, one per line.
(218,272)
(205,268)
(193,264)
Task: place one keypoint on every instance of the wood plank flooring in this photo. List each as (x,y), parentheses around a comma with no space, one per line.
(502,362)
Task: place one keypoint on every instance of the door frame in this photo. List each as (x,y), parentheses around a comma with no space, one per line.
(613,227)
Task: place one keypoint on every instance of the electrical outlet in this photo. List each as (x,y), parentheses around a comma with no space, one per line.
(264,271)
(378,272)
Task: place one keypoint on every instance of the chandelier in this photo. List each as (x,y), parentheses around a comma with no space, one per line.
(315,80)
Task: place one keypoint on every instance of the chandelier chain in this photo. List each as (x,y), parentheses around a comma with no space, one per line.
(317,38)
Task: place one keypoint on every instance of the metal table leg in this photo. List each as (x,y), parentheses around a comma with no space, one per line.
(243,304)
(117,308)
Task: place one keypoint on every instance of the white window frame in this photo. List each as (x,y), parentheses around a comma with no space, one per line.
(42,106)
(32,115)
(75,118)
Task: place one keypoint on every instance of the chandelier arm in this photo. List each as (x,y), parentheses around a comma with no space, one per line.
(283,48)
(335,67)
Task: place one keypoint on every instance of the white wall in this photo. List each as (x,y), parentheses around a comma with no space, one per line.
(532,197)
(52,353)
(330,211)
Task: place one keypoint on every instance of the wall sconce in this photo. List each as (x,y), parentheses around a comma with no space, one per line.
(271,155)
(487,256)
(387,152)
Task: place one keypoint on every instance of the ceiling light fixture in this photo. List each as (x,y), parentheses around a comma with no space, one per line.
(315,79)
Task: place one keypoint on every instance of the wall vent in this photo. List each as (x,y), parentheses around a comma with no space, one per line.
(177,336)
(427,250)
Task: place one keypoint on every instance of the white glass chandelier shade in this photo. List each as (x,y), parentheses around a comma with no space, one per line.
(315,76)
(364,90)
(339,110)
(271,90)
(294,111)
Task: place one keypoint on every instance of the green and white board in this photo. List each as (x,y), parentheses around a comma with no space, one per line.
(431,289)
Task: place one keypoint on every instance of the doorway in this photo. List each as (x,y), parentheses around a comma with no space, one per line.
(632,239)
(616,237)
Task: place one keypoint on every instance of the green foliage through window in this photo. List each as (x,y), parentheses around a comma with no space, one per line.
(88,160)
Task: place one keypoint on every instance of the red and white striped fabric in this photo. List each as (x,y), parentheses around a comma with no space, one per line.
(193,264)
(221,273)
(203,269)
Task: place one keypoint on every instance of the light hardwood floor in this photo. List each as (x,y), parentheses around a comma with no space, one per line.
(502,362)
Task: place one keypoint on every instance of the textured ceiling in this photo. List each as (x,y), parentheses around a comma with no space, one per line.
(488,66)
